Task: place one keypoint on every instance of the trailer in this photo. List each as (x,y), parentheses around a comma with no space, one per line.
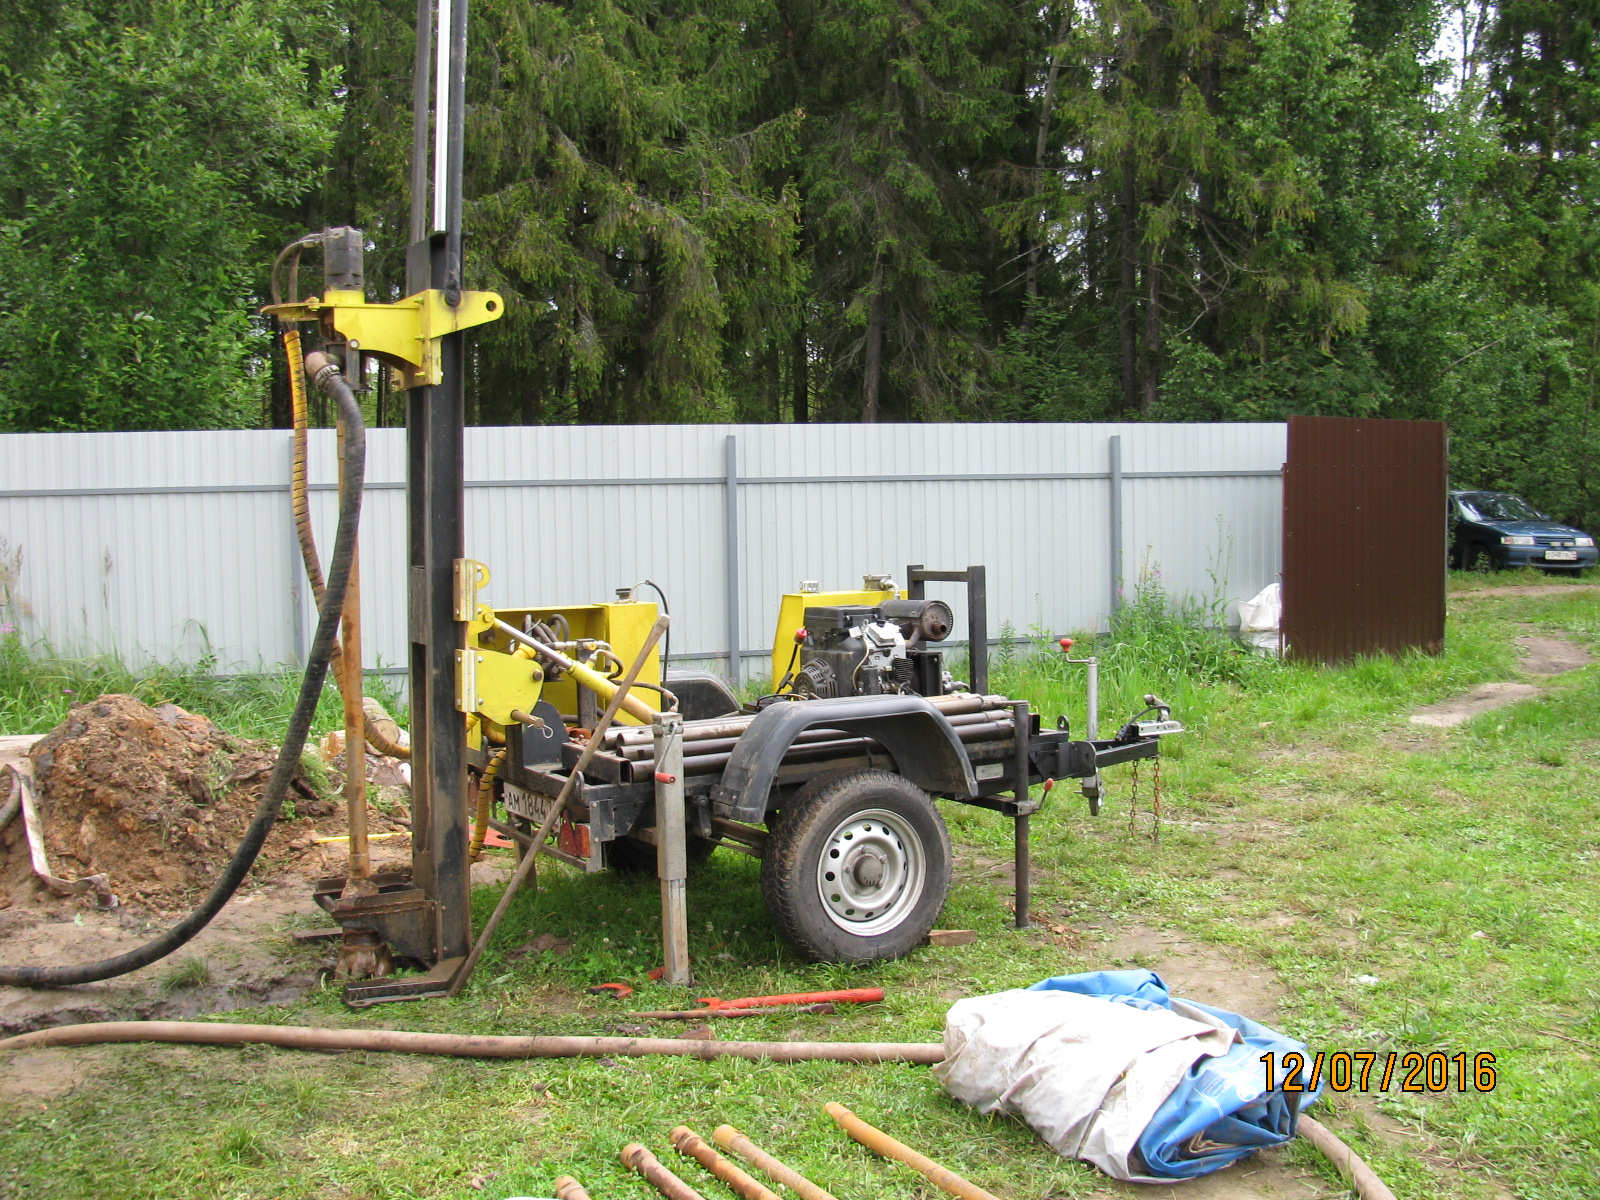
(834,780)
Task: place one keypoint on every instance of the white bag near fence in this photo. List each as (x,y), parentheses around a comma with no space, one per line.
(1086,1074)
(1259,619)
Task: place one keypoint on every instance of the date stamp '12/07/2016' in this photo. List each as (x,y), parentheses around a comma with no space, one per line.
(1368,1071)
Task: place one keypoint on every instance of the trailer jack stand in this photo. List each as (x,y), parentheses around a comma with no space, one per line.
(672,854)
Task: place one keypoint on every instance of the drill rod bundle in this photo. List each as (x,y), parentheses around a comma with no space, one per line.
(978,721)
(636,1156)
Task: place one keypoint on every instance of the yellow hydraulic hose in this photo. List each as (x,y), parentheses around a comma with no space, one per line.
(297,485)
(480,827)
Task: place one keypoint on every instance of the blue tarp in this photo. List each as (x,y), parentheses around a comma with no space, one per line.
(1222,1110)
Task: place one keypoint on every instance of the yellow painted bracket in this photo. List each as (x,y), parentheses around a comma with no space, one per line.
(491,684)
(405,334)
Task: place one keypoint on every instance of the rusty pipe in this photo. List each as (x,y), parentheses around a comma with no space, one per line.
(643,751)
(958,704)
(629,744)
(881,1144)
(687,1141)
(1362,1178)
(348,669)
(465,1045)
(568,1188)
(730,1138)
(656,1173)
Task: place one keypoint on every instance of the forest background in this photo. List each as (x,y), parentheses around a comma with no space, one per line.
(840,210)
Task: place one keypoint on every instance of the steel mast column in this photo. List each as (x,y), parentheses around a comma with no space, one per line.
(435,420)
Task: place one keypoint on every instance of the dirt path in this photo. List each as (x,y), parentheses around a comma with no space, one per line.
(1525,589)
(1544,654)
(1539,655)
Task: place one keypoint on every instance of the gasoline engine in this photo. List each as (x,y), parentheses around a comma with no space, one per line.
(872,650)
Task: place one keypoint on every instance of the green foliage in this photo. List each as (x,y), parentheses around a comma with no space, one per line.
(138,156)
(1187,210)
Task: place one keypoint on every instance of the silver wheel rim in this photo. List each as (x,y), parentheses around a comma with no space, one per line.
(871,872)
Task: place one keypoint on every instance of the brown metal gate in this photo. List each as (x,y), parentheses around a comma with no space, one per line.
(1363,537)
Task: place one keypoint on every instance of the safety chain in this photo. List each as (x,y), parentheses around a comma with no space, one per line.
(1133,798)
(1155,806)
(1155,803)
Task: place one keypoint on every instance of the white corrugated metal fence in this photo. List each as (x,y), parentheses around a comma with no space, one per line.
(161,546)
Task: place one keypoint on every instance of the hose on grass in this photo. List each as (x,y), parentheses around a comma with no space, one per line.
(326,373)
(463,1045)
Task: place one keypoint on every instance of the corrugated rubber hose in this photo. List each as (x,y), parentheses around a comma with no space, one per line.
(327,377)
(301,503)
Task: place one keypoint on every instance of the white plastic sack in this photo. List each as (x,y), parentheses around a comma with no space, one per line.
(1259,619)
(1085,1074)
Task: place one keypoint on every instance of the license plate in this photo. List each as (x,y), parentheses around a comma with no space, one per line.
(1561,556)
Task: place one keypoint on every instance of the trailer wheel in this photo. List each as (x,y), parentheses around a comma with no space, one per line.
(858,868)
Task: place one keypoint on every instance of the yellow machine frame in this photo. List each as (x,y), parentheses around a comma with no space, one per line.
(497,675)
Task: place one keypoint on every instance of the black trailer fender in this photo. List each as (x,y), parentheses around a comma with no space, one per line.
(925,748)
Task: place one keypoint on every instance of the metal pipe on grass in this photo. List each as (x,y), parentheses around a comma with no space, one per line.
(881,1144)
(1346,1161)
(636,1157)
(730,1138)
(464,1045)
(688,1142)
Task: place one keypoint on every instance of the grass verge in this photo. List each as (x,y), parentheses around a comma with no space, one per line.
(1401,888)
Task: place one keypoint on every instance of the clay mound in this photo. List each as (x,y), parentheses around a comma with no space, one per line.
(156,799)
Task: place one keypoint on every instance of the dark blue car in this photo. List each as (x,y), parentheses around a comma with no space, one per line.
(1497,529)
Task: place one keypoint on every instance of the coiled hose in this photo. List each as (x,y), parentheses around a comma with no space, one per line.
(327,376)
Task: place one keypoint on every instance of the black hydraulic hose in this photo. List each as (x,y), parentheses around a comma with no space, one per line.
(327,377)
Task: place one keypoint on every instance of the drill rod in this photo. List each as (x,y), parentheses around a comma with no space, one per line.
(696,1147)
(656,1174)
(882,1144)
(730,1138)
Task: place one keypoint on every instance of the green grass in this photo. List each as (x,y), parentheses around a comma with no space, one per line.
(1311,835)
(185,974)
(38,686)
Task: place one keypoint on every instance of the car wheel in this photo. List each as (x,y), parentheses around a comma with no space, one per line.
(858,869)
(1479,559)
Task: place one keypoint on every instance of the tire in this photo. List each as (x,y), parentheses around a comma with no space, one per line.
(1479,559)
(890,841)
(630,856)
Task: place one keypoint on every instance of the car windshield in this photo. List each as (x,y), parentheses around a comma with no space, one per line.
(1499,506)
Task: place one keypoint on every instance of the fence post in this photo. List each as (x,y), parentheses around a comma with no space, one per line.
(1114,446)
(730,520)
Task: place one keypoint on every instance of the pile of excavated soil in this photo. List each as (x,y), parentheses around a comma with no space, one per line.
(157,800)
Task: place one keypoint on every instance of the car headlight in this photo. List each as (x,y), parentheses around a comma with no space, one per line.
(1516,539)
(1583,541)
